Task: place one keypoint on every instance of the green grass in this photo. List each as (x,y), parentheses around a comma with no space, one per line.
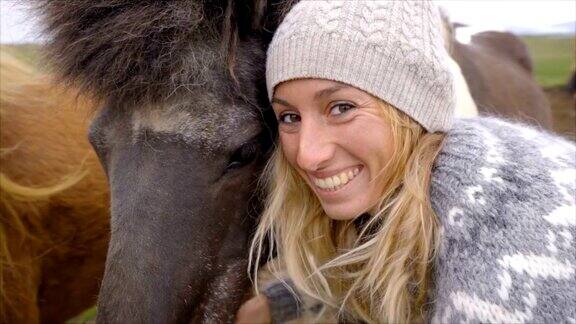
(553,57)
(28,53)
(88,316)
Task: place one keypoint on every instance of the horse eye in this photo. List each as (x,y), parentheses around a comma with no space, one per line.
(243,156)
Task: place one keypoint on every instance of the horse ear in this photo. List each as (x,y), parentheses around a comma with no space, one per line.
(132,51)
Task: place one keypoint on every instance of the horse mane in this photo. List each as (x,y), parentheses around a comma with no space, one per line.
(145,51)
(17,79)
(44,155)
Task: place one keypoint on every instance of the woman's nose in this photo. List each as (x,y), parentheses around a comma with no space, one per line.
(316,147)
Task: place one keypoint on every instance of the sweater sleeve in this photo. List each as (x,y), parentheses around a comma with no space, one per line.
(285,302)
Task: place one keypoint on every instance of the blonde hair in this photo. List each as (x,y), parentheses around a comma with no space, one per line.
(378,274)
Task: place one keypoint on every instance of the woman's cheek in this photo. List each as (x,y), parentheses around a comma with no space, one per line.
(289,147)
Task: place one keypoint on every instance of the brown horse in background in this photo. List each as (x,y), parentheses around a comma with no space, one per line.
(54,200)
(498,69)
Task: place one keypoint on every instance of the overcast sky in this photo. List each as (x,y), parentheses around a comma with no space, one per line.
(17,26)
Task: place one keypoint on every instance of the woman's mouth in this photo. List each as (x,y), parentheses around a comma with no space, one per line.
(337,181)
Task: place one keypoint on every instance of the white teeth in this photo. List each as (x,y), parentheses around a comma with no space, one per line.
(337,181)
(329,182)
(343,178)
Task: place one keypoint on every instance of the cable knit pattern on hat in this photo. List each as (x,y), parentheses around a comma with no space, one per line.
(393,50)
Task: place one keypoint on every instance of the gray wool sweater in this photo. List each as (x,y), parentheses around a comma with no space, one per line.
(505,196)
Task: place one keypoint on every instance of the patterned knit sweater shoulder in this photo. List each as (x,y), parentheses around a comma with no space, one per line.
(505,197)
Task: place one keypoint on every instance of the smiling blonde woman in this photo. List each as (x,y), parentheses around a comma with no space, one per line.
(382,207)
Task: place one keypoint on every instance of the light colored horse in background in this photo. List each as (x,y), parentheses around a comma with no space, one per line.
(54,200)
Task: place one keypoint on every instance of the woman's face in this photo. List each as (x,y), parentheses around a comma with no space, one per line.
(334,135)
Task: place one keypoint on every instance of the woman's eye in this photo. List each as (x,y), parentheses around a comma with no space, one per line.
(289,118)
(341,108)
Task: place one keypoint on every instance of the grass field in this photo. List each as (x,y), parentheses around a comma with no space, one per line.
(554,58)
(29,53)
(87,317)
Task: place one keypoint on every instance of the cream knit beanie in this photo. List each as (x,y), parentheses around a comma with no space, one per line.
(391,49)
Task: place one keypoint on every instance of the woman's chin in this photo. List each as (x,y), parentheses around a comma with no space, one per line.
(342,212)
(344,205)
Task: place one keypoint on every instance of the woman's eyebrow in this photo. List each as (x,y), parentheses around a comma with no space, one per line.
(329,91)
(282,102)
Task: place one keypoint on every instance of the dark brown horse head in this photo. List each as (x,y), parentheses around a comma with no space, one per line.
(181,176)
(182,139)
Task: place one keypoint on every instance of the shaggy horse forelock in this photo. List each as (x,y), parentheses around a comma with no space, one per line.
(146,51)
